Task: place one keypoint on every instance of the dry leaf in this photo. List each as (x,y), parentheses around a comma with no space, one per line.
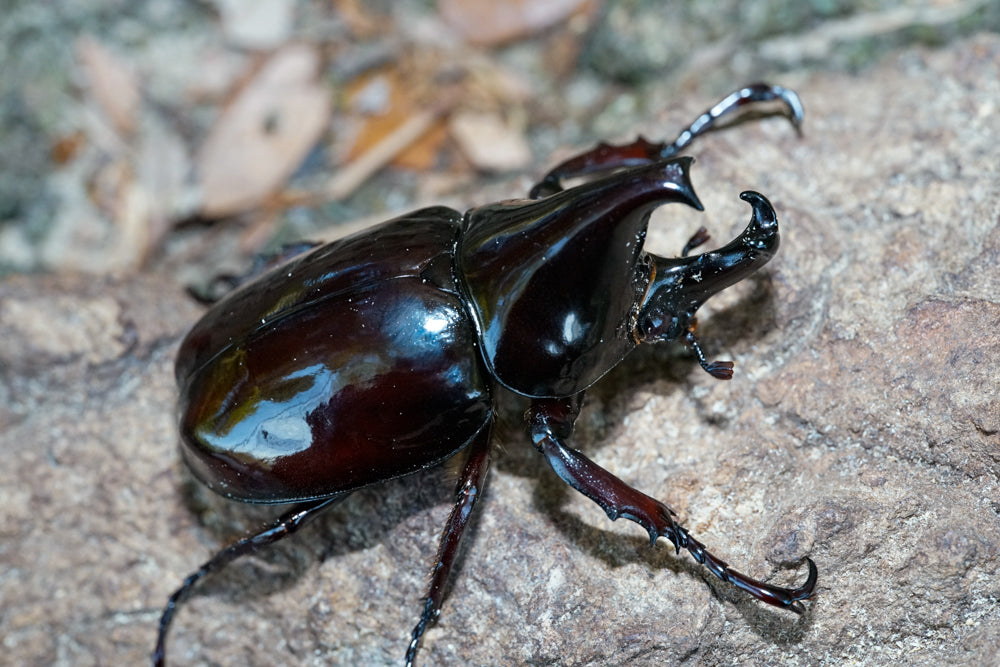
(360,20)
(397,105)
(488,142)
(112,85)
(135,195)
(490,22)
(395,143)
(162,166)
(264,134)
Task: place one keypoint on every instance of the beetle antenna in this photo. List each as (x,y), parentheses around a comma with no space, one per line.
(722,370)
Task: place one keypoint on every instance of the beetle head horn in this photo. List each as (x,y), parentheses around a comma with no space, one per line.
(681,285)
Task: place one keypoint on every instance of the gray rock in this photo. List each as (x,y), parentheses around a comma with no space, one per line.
(862,429)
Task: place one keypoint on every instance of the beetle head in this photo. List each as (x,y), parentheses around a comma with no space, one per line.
(681,285)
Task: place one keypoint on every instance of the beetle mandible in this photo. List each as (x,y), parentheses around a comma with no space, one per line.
(380,354)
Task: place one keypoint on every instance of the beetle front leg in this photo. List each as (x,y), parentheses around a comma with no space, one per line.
(286,525)
(550,422)
(470,489)
(606,157)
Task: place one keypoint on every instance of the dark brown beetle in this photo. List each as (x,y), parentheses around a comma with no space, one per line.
(379,355)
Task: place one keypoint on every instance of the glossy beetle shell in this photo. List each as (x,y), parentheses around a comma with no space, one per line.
(362,365)
(376,356)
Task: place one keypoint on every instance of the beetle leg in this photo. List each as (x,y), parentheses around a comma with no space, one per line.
(469,490)
(286,525)
(721,370)
(224,283)
(752,94)
(550,422)
(606,157)
(698,238)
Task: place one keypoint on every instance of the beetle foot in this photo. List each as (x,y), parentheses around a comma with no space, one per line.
(778,596)
(697,239)
(550,419)
(803,592)
(721,370)
(430,614)
(606,157)
(735,101)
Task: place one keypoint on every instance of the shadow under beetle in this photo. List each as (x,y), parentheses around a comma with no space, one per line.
(378,355)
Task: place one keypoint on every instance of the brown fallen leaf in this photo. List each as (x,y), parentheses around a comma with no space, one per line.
(489,143)
(398,141)
(488,22)
(361,20)
(264,134)
(111,84)
(396,111)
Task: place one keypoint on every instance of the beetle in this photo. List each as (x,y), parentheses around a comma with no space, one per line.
(382,353)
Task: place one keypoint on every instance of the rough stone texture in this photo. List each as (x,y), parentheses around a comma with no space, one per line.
(862,429)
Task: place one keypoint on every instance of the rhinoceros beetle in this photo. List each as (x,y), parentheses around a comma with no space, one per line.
(381,354)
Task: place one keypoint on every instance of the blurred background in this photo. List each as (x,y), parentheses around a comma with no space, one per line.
(150,146)
(174,134)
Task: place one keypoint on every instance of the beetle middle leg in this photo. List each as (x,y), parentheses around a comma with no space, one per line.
(224,283)
(286,525)
(470,489)
(606,157)
(550,422)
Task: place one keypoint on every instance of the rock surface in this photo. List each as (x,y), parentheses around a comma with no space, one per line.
(862,429)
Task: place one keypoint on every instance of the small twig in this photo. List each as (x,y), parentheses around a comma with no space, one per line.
(348,179)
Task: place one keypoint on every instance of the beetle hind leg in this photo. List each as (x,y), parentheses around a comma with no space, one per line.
(222,284)
(285,526)
(550,422)
(470,489)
